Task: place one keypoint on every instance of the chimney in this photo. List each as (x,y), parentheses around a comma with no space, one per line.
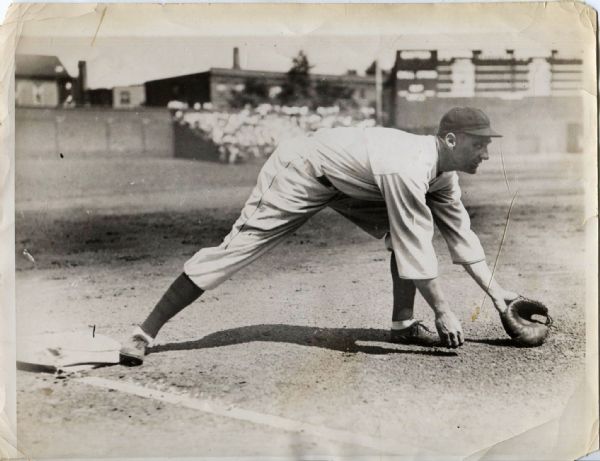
(236,58)
(80,98)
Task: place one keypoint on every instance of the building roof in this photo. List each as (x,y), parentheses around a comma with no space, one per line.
(245,73)
(38,66)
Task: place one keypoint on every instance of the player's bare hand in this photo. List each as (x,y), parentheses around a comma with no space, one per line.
(449,329)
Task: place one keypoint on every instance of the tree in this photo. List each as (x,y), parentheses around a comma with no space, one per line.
(371,69)
(255,92)
(297,89)
(331,94)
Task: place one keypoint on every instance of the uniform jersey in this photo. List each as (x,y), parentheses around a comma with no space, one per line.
(401,169)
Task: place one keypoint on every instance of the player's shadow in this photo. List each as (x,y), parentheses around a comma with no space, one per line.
(337,339)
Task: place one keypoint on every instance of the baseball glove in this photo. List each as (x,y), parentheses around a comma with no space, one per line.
(520,325)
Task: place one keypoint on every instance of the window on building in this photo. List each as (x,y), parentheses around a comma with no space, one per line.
(405,75)
(417,54)
(221,87)
(362,93)
(125,98)
(427,74)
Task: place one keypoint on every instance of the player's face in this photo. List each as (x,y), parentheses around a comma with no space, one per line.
(470,151)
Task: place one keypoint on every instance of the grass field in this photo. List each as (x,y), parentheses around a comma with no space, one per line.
(290,358)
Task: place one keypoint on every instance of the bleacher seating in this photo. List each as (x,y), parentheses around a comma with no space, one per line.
(253,133)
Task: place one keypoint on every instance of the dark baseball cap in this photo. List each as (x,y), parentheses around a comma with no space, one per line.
(466,120)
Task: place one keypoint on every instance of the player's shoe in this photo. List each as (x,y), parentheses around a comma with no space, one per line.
(417,334)
(133,350)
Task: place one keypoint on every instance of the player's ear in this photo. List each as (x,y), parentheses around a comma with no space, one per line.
(450,140)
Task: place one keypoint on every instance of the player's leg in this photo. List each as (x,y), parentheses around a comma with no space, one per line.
(180,294)
(405,329)
(209,268)
(404,291)
(372,218)
(285,196)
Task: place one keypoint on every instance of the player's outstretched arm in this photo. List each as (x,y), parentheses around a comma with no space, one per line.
(481,273)
(448,326)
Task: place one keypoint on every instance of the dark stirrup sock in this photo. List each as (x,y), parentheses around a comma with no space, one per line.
(404,294)
(180,294)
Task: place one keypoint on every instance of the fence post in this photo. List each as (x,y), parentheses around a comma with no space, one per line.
(107,123)
(57,134)
(143,123)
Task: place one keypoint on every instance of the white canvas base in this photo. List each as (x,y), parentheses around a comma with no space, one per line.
(71,350)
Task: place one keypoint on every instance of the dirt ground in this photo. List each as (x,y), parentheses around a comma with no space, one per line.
(290,358)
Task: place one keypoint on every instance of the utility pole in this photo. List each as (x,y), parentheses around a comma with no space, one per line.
(378,94)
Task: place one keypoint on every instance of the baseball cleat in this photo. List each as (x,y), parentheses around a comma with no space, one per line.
(133,350)
(417,334)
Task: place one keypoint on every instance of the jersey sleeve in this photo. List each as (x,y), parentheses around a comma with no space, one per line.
(454,223)
(411,226)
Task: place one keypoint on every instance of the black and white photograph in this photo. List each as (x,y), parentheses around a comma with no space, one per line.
(299,231)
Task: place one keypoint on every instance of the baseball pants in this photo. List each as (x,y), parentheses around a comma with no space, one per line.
(287,193)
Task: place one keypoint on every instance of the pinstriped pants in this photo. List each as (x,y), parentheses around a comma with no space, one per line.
(286,195)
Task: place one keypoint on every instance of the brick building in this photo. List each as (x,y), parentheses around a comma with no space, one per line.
(418,75)
(219,85)
(535,101)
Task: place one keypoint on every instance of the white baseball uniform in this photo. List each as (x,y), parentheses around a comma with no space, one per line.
(383,179)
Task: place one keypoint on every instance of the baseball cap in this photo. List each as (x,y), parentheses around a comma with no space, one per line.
(466,120)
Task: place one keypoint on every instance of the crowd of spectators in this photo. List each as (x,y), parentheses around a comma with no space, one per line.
(255,132)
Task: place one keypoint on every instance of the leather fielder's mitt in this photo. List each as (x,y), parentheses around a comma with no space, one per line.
(520,325)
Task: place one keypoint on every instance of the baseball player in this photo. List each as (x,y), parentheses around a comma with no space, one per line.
(393,184)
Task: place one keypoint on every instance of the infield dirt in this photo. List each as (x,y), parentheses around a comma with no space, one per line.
(300,334)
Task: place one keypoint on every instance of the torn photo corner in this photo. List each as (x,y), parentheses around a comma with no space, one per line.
(152,154)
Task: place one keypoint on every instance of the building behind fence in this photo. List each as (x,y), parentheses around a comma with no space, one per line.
(535,102)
